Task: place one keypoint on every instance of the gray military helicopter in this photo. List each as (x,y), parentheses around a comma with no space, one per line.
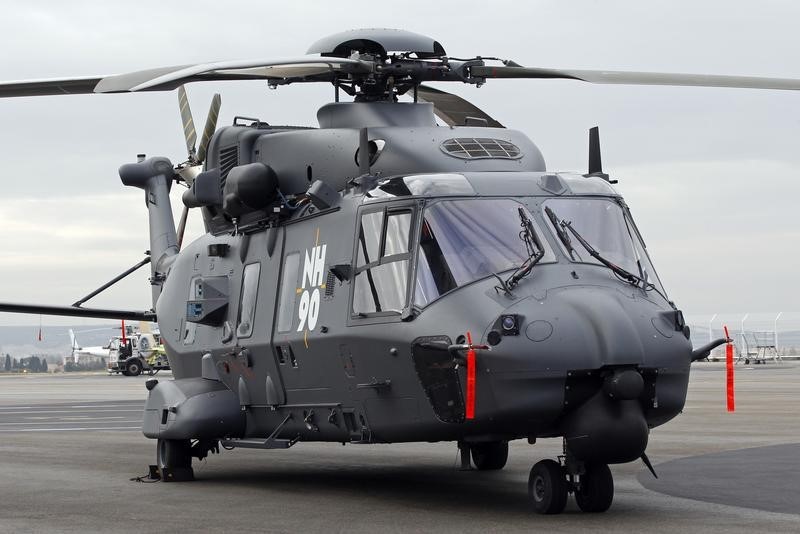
(387,278)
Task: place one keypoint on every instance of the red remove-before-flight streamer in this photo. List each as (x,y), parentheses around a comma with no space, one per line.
(729,372)
(470,409)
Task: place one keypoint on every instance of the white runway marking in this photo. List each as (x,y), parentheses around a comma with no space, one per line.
(29,412)
(56,422)
(104,406)
(64,406)
(71,429)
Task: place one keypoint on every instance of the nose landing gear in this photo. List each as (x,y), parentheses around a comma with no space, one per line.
(595,489)
(547,487)
(550,483)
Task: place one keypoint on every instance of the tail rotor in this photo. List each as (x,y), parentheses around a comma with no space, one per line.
(189,169)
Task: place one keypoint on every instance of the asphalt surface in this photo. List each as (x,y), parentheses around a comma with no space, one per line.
(69,446)
(71,417)
(765,478)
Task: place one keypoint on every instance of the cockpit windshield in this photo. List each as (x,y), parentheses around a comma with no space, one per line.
(465,240)
(604,226)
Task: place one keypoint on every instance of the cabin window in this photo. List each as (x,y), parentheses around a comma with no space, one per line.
(383,260)
(247,300)
(291,265)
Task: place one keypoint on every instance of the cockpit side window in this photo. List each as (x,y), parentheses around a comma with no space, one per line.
(608,228)
(369,237)
(382,261)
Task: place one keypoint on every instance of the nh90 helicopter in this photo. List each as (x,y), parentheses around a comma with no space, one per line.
(385,278)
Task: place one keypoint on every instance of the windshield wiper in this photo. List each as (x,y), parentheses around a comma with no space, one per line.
(616,269)
(560,232)
(535,250)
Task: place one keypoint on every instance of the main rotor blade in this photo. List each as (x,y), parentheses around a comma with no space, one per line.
(168,78)
(210,127)
(236,69)
(453,109)
(86,84)
(74,311)
(639,78)
(188,122)
(63,86)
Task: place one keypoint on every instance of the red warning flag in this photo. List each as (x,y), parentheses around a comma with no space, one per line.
(729,372)
(470,411)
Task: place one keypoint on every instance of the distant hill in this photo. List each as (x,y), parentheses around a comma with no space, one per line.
(21,341)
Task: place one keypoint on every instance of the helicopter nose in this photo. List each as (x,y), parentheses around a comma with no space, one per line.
(602,326)
(597,352)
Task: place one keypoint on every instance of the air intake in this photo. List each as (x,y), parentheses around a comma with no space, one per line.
(228,159)
(480,148)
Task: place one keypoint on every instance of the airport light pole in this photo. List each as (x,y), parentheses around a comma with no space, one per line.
(741,332)
(711,328)
(775,331)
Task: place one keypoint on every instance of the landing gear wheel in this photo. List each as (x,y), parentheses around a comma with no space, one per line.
(490,456)
(174,460)
(134,368)
(547,487)
(596,489)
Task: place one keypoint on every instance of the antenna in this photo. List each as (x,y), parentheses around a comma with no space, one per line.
(363,152)
(595,159)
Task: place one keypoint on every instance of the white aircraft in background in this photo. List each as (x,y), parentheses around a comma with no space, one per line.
(78,351)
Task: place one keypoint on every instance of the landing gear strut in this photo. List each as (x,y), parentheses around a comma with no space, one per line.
(550,483)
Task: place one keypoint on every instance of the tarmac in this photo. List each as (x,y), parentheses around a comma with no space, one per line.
(70,445)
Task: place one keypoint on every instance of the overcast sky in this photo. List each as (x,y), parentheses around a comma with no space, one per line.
(711,175)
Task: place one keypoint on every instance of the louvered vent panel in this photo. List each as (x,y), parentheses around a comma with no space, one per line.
(228,159)
(480,148)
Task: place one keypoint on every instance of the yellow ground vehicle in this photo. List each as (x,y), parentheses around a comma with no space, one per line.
(138,352)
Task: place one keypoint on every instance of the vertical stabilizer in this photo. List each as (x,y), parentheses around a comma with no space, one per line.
(73,340)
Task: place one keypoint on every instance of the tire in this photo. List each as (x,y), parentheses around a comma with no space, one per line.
(134,368)
(174,460)
(596,489)
(490,456)
(547,487)
(173,453)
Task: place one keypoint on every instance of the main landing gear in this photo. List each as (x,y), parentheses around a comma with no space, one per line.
(550,483)
(174,457)
(486,456)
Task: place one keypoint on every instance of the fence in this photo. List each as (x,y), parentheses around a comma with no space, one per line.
(757,336)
